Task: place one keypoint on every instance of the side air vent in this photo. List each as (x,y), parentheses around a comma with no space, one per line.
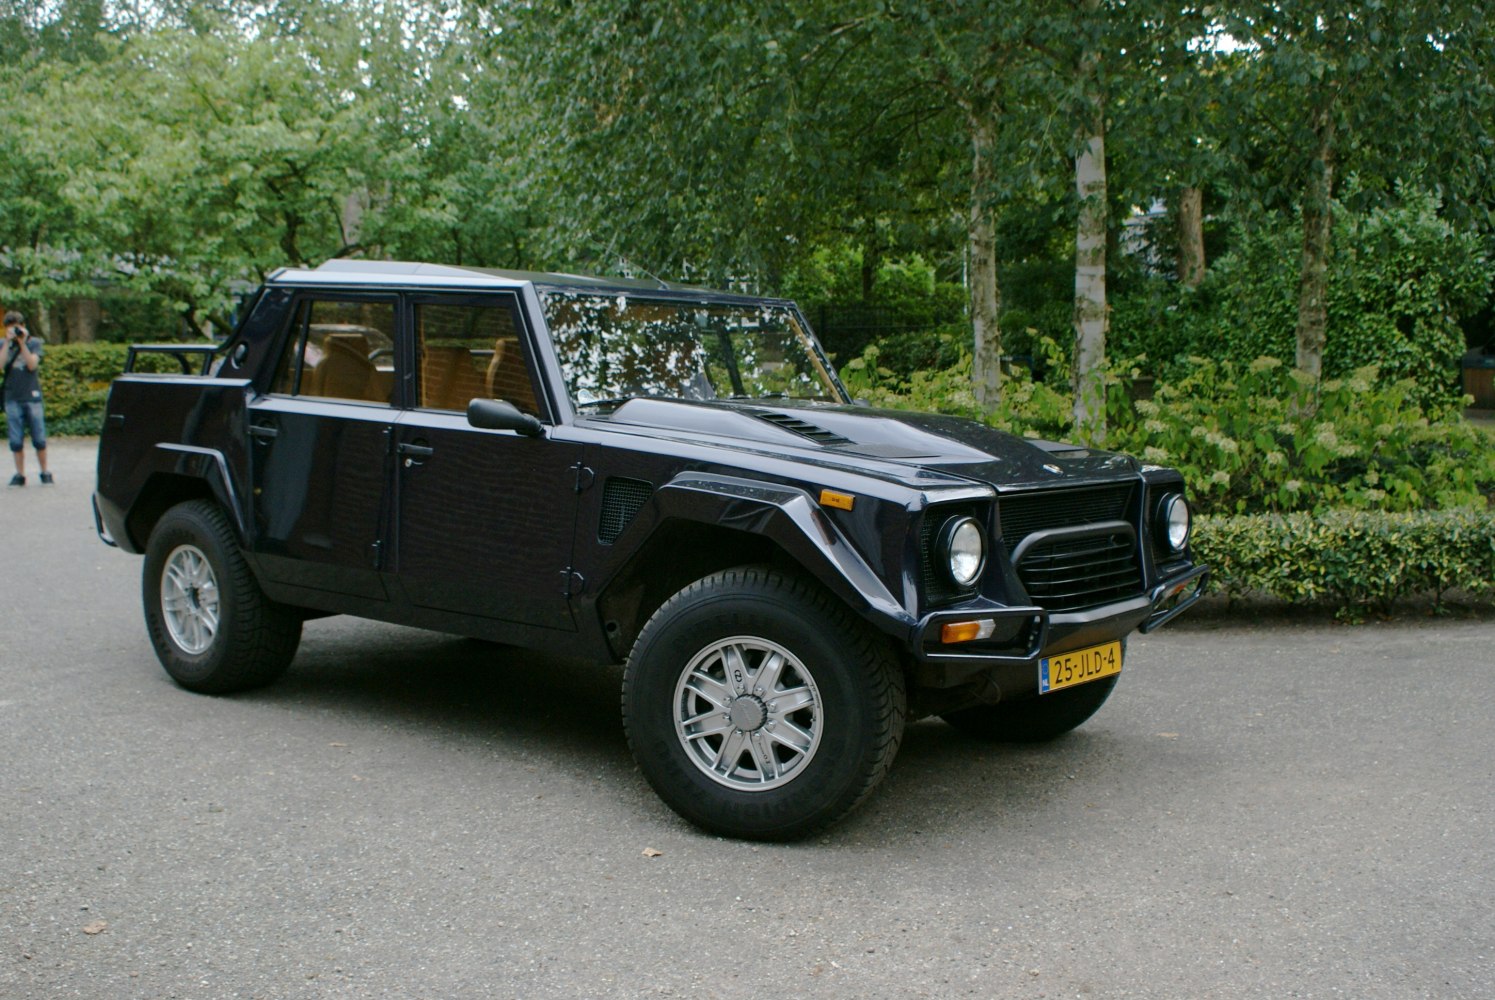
(803,428)
(622,499)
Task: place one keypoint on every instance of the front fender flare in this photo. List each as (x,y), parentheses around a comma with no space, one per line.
(790,518)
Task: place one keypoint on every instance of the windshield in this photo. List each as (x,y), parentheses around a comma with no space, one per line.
(615,347)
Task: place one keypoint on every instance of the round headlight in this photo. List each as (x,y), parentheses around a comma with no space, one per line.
(1174,521)
(964,546)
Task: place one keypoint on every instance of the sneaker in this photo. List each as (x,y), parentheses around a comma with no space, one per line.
(46,479)
(18,480)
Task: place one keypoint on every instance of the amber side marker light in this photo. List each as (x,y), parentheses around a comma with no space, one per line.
(840,501)
(967,631)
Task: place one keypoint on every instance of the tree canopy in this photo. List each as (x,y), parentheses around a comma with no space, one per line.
(178,151)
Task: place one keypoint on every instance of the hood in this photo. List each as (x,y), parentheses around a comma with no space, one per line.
(866,438)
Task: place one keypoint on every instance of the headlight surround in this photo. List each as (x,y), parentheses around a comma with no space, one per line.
(962,545)
(1174,522)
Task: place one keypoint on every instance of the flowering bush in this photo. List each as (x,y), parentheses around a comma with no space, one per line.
(1250,438)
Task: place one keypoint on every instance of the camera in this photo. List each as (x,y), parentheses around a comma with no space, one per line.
(18,332)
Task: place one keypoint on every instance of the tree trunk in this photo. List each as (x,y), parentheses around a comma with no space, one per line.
(1090,318)
(1313,275)
(43,321)
(83,316)
(985,297)
(1191,236)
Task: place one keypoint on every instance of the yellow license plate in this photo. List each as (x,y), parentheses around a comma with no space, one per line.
(1078,666)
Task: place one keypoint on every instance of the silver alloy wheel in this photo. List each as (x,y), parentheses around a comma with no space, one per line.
(748,713)
(189,599)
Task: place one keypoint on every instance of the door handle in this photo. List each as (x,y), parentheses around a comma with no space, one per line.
(263,431)
(414,453)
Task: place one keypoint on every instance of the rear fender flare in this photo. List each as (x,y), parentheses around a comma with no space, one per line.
(212,468)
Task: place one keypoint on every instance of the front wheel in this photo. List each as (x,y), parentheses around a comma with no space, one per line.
(214,630)
(757,706)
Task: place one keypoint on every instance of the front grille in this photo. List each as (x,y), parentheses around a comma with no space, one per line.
(1020,516)
(621,500)
(1067,572)
(1079,568)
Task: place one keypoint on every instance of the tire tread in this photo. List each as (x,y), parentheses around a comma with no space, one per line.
(265,634)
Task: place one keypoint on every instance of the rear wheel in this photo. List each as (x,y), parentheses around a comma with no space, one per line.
(214,630)
(757,706)
(1037,719)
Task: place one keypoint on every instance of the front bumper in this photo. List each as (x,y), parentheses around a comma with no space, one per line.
(1021,636)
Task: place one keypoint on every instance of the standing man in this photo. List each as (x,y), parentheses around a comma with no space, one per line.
(23,396)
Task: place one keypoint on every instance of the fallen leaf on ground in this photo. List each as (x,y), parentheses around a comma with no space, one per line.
(650,852)
(97,927)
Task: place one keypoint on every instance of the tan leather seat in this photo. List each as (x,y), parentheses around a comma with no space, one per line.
(346,371)
(508,379)
(448,380)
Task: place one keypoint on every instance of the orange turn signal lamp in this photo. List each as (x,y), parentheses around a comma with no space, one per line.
(981,628)
(840,501)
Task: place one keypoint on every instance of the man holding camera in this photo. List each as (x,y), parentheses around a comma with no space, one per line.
(23,396)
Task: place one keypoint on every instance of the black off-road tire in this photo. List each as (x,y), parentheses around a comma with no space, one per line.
(254,638)
(1037,719)
(857,716)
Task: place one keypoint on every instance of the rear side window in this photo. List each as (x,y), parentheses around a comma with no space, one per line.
(340,349)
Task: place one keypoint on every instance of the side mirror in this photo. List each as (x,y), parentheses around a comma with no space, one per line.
(501,415)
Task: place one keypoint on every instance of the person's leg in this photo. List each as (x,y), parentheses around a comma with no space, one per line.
(15,431)
(38,422)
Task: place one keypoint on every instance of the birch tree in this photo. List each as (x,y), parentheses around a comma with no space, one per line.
(1328,90)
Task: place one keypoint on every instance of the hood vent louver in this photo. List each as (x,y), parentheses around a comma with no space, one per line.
(803,428)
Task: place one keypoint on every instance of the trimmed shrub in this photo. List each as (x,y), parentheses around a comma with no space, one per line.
(1357,559)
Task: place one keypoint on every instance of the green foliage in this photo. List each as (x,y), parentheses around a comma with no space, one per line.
(1358,559)
(916,319)
(1400,282)
(1247,438)
(1261,437)
(1028,406)
(200,148)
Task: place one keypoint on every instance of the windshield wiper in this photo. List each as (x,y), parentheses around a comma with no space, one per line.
(612,401)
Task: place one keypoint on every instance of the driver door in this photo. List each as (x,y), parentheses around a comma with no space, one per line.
(485,517)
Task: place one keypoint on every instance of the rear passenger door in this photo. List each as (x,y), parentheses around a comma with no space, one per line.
(320,446)
(485,517)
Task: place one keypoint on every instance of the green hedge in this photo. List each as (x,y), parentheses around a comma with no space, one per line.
(1358,559)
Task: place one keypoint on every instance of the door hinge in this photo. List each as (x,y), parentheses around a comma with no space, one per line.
(585,477)
(572,583)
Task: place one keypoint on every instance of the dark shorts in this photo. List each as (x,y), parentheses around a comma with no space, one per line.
(19,416)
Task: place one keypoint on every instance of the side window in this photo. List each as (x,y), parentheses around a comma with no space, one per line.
(470,351)
(340,349)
